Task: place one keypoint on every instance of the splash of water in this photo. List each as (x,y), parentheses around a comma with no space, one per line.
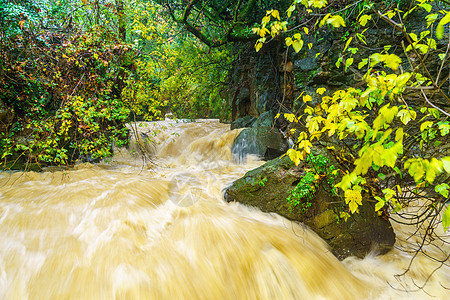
(128,230)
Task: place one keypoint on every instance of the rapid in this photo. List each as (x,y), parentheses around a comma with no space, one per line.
(134,228)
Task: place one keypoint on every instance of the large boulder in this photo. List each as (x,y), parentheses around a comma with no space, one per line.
(264,142)
(268,186)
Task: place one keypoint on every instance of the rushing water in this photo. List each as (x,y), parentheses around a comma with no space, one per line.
(134,229)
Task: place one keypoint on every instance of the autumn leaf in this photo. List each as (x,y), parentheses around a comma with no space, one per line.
(321,90)
(353,199)
(297,45)
(295,156)
(336,21)
(364,19)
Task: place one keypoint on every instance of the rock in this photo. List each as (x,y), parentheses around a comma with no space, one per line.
(265,119)
(246,121)
(268,186)
(265,142)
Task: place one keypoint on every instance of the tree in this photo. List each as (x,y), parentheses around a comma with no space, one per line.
(391,135)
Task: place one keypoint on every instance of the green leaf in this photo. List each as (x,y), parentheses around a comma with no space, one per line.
(446,218)
(348,62)
(442,189)
(425,125)
(440,28)
(413,36)
(380,203)
(425,6)
(338,62)
(362,63)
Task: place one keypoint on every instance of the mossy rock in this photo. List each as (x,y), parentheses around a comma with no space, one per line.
(264,142)
(268,186)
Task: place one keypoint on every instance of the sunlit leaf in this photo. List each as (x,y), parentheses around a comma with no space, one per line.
(446,163)
(295,156)
(425,125)
(336,21)
(379,205)
(276,14)
(290,117)
(440,28)
(364,19)
(297,45)
(442,189)
(321,90)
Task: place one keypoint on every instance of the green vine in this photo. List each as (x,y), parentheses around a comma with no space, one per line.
(318,168)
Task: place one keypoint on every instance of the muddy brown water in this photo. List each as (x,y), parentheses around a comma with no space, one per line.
(129,229)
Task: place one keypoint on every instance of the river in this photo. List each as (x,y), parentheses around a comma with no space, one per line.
(133,228)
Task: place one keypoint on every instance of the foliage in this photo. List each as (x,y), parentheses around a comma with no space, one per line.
(182,76)
(62,89)
(317,169)
(219,22)
(389,132)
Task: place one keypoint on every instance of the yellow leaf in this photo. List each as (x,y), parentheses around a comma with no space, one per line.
(321,90)
(406,115)
(446,163)
(258,46)
(295,156)
(308,110)
(315,3)
(324,20)
(388,193)
(288,41)
(392,61)
(353,199)
(276,14)
(307,98)
(425,125)
(413,36)
(310,45)
(305,145)
(347,43)
(399,134)
(440,28)
(297,45)
(306,30)
(290,10)
(364,19)
(389,14)
(336,21)
(302,136)
(290,117)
